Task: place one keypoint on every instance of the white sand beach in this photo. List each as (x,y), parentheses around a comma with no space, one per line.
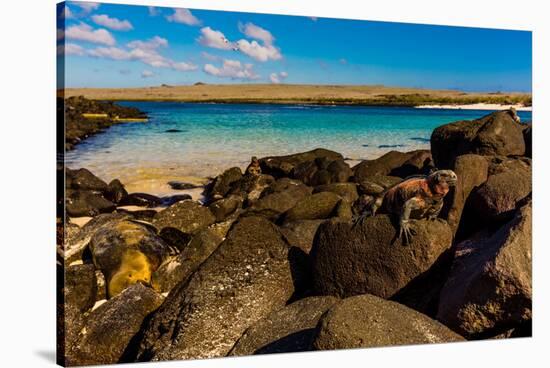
(478,106)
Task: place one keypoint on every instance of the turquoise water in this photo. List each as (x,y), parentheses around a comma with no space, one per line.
(212,137)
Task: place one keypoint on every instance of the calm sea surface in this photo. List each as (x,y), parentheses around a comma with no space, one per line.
(207,138)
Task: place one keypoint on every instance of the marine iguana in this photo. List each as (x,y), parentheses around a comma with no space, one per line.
(415,197)
(253,168)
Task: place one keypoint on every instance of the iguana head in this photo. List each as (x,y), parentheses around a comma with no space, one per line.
(441,180)
(254,167)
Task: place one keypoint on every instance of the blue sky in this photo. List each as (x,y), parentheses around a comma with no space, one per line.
(108,45)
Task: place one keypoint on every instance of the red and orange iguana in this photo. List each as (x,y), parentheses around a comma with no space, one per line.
(415,197)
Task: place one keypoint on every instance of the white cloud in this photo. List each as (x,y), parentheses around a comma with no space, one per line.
(88,6)
(343,61)
(150,44)
(277,78)
(184,16)
(153,11)
(274,78)
(84,32)
(253,31)
(112,23)
(313,19)
(210,57)
(259,52)
(147,74)
(114,53)
(144,51)
(214,39)
(232,69)
(70,49)
(183,66)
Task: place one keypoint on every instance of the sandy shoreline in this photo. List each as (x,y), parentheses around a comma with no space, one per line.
(478,106)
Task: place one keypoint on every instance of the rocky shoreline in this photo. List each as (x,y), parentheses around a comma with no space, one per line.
(83,117)
(272,261)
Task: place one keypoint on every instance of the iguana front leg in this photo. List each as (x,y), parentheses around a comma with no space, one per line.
(404,227)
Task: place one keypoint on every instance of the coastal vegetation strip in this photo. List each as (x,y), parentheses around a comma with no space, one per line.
(302,94)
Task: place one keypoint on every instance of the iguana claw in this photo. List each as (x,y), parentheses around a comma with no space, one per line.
(406,231)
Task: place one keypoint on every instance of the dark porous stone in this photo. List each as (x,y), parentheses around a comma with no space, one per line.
(225,207)
(186,216)
(282,166)
(243,280)
(115,191)
(111,326)
(348,191)
(366,258)
(278,199)
(81,203)
(178,268)
(419,163)
(316,206)
(489,288)
(180,185)
(170,200)
(287,330)
(340,172)
(80,286)
(493,134)
(84,179)
(365,321)
(300,233)
(471,171)
(221,185)
(496,199)
(140,200)
(384,165)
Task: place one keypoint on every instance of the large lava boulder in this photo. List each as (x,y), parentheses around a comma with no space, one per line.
(367,258)
(279,198)
(112,325)
(300,233)
(347,191)
(246,277)
(80,203)
(489,288)
(471,171)
(221,185)
(320,205)
(178,268)
(289,329)
(365,321)
(83,179)
(494,134)
(281,166)
(187,217)
(496,199)
(393,163)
